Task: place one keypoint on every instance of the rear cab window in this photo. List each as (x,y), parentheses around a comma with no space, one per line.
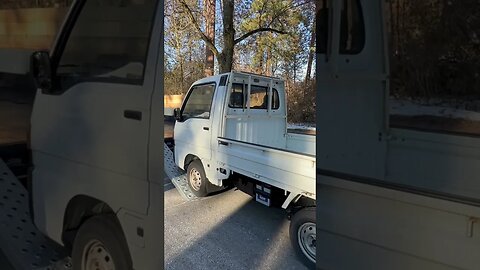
(352,27)
(258,97)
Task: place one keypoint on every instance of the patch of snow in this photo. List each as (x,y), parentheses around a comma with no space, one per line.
(304,126)
(445,109)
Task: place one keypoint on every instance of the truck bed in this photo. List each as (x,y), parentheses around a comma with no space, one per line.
(301,143)
(442,165)
(436,124)
(287,169)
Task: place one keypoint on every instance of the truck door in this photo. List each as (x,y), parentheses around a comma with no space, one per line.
(90,128)
(352,90)
(193,132)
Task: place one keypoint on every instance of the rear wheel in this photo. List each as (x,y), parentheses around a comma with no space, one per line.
(100,245)
(303,235)
(196,179)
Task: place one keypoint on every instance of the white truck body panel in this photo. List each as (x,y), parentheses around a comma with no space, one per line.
(301,143)
(290,171)
(387,198)
(84,145)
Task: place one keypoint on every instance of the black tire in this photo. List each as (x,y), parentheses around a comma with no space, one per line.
(303,220)
(196,168)
(113,248)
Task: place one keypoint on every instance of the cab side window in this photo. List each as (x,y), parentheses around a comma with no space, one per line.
(199,102)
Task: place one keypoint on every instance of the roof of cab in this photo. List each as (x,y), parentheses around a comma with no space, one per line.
(217,77)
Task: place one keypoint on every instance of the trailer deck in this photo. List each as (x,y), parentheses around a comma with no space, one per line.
(24,246)
(177,176)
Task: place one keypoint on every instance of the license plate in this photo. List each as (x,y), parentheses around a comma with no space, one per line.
(262,199)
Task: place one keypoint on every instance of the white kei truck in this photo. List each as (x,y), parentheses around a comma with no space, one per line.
(232,128)
(390,196)
(96,178)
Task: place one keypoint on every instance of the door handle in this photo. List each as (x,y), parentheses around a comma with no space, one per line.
(206,128)
(135,115)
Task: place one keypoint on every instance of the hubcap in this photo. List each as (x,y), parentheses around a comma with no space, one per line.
(307,240)
(195,179)
(96,257)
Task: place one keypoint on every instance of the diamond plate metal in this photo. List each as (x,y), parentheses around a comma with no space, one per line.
(176,175)
(20,241)
(28,248)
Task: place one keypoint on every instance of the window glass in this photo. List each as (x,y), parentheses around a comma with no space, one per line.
(199,102)
(259,98)
(322,25)
(108,42)
(352,28)
(275,100)
(237,96)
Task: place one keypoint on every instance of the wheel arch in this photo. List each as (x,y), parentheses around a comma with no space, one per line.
(79,209)
(188,159)
(299,204)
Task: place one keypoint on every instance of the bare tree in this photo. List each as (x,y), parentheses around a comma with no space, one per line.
(209,13)
(225,57)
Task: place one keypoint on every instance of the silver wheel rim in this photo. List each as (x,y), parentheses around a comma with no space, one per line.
(96,257)
(195,179)
(307,240)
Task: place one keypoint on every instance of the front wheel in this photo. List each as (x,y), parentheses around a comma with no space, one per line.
(196,179)
(303,235)
(100,245)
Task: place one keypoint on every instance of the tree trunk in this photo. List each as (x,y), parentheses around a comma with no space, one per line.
(310,53)
(260,53)
(225,58)
(209,13)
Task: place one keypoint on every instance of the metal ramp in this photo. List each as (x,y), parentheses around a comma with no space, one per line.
(24,246)
(176,175)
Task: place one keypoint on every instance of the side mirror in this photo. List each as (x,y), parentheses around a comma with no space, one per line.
(41,69)
(177,114)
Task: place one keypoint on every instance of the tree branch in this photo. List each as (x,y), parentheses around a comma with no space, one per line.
(258,30)
(207,41)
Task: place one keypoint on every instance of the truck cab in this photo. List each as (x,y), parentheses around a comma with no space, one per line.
(232,105)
